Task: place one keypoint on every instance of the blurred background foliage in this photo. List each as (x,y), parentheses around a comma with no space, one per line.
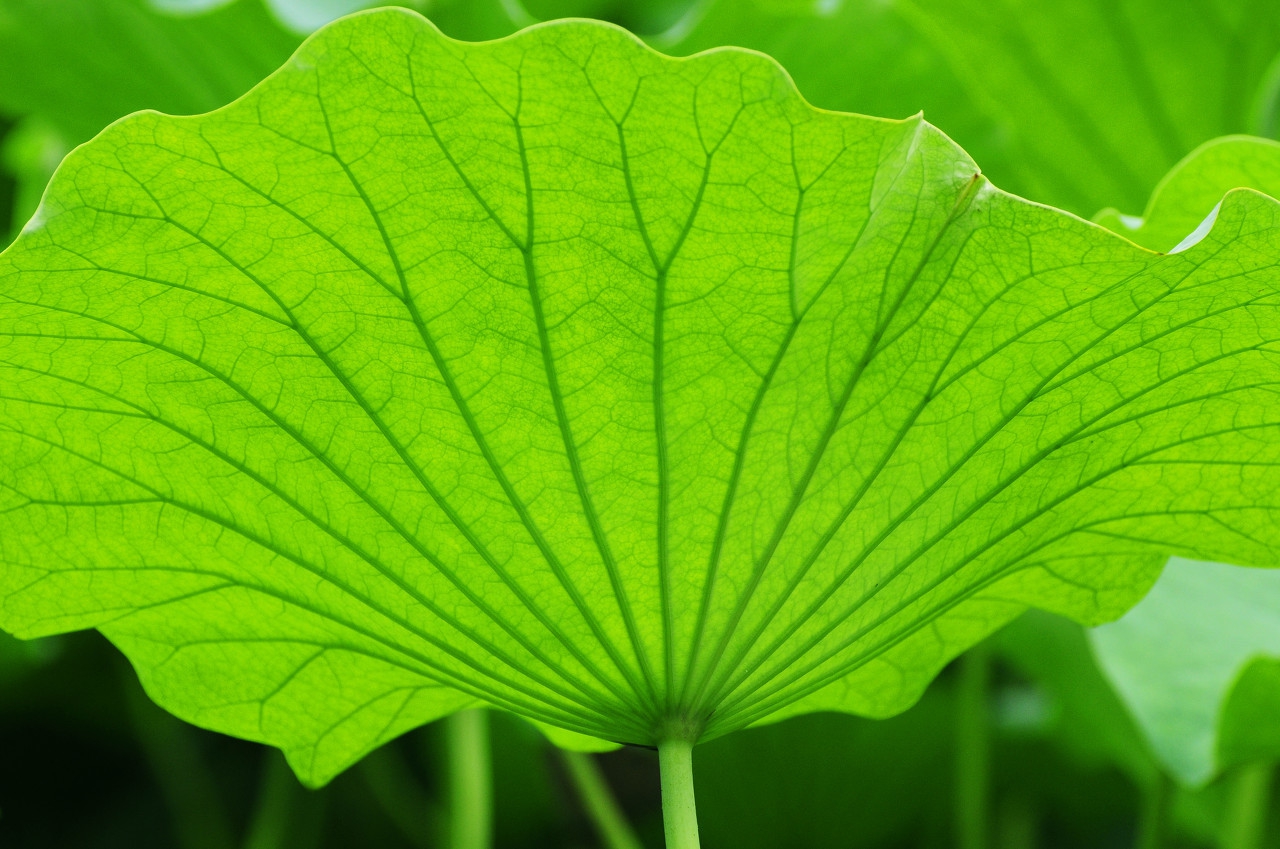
(1023,743)
(90,762)
(1078,104)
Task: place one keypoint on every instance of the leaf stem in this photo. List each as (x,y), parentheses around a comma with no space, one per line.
(972,762)
(470,780)
(679,812)
(1248,795)
(599,802)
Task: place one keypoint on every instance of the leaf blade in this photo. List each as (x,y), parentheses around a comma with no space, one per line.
(345,406)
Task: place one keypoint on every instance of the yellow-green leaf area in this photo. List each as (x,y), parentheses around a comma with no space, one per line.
(629,394)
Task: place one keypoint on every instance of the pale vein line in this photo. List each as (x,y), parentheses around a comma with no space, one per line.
(315,520)
(714,676)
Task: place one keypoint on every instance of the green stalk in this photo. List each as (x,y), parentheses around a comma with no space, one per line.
(599,803)
(402,798)
(1151,817)
(269,827)
(972,750)
(1018,825)
(1248,798)
(679,813)
(173,753)
(470,780)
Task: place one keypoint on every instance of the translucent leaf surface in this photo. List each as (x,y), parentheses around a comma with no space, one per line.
(68,68)
(1191,661)
(1076,104)
(80,64)
(629,394)
(1188,197)
(1176,657)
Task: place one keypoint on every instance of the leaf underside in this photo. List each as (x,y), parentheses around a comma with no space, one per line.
(1195,659)
(625,393)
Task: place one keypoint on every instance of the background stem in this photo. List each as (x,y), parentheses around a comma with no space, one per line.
(599,802)
(273,812)
(1152,814)
(1248,795)
(1017,825)
(972,749)
(470,780)
(400,795)
(679,812)
(189,789)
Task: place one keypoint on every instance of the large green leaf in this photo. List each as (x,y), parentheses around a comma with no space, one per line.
(68,68)
(78,65)
(629,394)
(1187,198)
(1177,657)
(1081,131)
(1191,659)
(1100,98)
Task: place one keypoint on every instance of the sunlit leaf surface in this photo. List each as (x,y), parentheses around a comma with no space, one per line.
(1194,660)
(629,394)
